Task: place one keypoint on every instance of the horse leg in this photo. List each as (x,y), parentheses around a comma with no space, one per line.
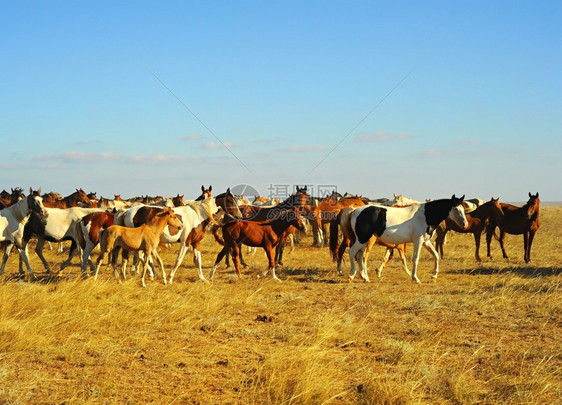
(72,251)
(361,260)
(528,245)
(197,259)
(279,249)
(269,253)
(160,264)
(235,259)
(86,257)
(125,260)
(385,260)
(490,229)
(353,250)
(242,262)
(477,236)
(416,258)
(25,259)
(144,270)
(402,252)
(39,252)
(341,250)
(219,258)
(179,260)
(7,251)
(502,238)
(429,246)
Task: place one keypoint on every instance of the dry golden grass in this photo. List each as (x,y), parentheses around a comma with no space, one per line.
(485,333)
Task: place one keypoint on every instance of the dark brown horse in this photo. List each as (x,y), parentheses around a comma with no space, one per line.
(515,221)
(477,221)
(7,199)
(264,234)
(300,199)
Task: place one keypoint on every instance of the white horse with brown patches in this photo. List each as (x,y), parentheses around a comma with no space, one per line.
(395,225)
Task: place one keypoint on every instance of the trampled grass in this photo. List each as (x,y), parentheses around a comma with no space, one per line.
(483,333)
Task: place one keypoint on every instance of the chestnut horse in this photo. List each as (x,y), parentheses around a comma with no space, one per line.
(264,234)
(515,221)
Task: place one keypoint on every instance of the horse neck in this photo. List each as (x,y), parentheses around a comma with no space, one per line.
(202,208)
(20,210)
(158,224)
(279,226)
(436,211)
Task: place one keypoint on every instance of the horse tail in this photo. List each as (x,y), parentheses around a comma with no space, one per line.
(334,227)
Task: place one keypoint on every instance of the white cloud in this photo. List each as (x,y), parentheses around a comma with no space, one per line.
(381,137)
(193,137)
(303,148)
(215,145)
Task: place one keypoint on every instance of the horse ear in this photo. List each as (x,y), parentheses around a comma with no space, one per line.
(202,189)
(530,196)
(210,188)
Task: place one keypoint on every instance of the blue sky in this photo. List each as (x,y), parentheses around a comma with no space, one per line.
(424,99)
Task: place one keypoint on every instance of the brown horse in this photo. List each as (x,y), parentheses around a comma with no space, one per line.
(264,234)
(8,199)
(515,221)
(477,221)
(77,199)
(145,238)
(342,221)
(300,199)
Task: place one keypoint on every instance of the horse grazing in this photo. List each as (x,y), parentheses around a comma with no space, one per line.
(145,238)
(12,223)
(264,234)
(343,221)
(515,221)
(477,221)
(395,225)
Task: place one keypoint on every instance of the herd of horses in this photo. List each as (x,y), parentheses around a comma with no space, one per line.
(140,226)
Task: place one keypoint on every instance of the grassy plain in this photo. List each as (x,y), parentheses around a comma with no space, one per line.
(483,333)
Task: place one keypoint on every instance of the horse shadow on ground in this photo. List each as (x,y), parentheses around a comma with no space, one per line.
(39,278)
(523,271)
(307,276)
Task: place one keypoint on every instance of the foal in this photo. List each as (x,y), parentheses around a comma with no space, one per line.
(145,238)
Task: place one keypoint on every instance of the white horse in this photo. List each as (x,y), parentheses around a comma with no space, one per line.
(12,223)
(394,225)
(59,224)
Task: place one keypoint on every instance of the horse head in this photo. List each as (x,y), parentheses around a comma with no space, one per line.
(35,202)
(533,205)
(229,204)
(457,212)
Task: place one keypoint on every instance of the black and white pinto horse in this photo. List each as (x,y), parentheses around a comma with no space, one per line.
(394,225)
(12,225)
